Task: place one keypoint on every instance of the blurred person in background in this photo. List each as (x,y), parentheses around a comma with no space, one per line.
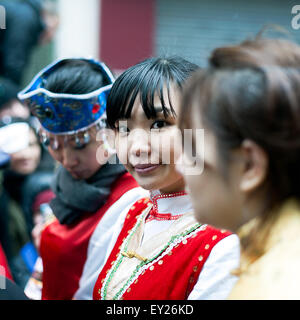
(4,268)
(69,99)
(28,175)
(248,103)
(8,289)
(29,23)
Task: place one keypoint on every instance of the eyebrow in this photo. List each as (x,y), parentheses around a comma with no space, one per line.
(157,109)
(160,109)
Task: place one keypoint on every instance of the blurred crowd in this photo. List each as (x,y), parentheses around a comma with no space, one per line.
(134,230)
(26,167)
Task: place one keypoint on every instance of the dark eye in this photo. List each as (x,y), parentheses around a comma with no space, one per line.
(159,124)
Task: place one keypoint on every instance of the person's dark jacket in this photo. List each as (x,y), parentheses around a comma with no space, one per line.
(10,291)
(24,25)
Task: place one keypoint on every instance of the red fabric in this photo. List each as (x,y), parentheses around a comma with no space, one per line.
(174,275)
(43,197)
(4,268)
(64,248)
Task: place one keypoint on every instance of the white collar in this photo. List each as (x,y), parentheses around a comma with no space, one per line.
(176,203)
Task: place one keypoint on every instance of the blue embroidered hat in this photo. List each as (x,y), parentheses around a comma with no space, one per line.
(63,113)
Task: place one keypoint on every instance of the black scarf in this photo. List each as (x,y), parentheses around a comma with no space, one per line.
(76,197)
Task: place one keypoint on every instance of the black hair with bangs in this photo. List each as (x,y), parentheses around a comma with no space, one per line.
(147,78)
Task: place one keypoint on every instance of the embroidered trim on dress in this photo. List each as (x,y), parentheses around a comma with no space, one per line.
(154,215)
(144,264)
(159,257)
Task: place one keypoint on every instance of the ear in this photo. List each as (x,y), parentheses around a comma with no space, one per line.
(255,166)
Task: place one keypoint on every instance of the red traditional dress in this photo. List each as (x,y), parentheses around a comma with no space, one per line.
(64,248)
(161,253)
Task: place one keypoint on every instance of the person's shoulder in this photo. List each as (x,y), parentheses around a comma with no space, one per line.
(274,275)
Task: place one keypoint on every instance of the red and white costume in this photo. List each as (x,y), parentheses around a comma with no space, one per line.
(64,248)
(160,252)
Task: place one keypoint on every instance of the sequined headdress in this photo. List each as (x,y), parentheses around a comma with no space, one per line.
(63,113)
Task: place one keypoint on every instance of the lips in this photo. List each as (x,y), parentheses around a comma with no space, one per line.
(145,168)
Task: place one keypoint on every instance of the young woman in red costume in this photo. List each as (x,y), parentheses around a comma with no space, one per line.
(160,251)
(69,99)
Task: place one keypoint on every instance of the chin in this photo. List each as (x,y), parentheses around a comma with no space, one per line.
(147,183)
(25,171)
(203,219)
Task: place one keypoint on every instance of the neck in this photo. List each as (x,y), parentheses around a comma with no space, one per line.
(175,187)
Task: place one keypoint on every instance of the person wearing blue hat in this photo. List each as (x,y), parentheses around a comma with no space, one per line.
(68,97)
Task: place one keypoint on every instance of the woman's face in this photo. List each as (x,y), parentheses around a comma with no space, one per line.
(81,163)
(217,200)
(27,160)
(148,147)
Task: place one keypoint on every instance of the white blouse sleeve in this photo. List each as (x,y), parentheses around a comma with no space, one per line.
(103,240)
(215,281)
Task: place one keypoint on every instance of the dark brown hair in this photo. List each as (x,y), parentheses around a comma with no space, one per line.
(257,52)
(252,91)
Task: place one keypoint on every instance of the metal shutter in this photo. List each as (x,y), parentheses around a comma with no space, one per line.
(192,28)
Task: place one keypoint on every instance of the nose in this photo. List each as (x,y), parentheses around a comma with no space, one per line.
(139,143)
(69,158)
